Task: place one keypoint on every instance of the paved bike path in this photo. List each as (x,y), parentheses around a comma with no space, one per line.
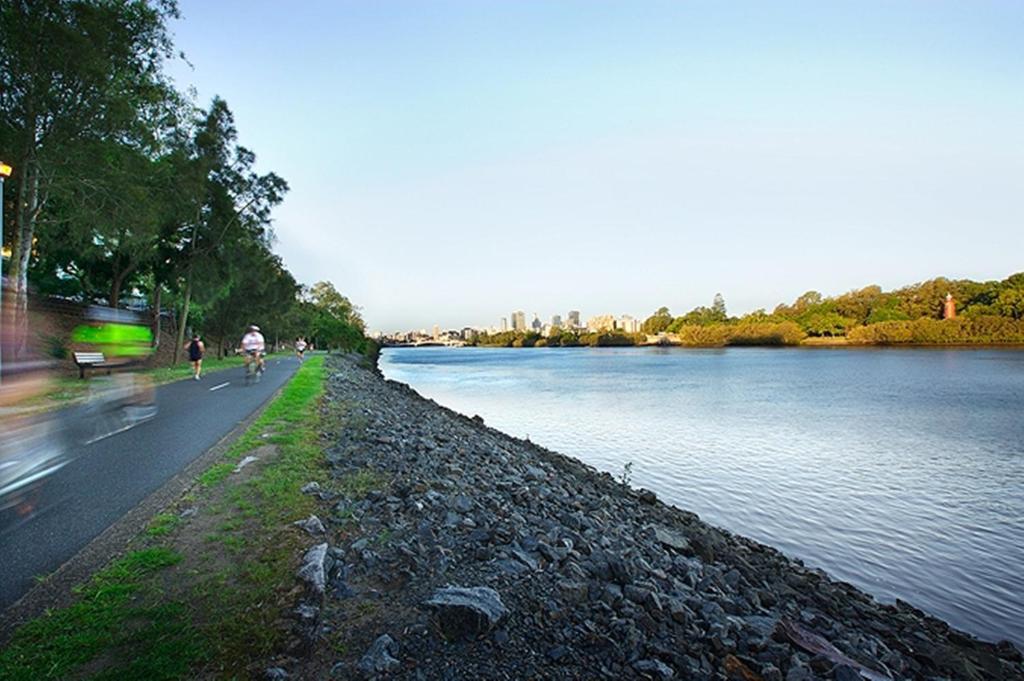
(109,477)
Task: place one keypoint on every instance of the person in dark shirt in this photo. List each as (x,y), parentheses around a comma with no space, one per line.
(196,349)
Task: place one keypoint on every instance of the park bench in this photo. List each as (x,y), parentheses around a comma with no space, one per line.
(90,360)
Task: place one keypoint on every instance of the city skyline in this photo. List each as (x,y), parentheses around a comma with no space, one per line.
(571,321)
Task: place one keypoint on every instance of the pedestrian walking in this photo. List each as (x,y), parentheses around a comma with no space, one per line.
(196,349)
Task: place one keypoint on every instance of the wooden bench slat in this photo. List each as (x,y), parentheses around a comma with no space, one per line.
(89,357)
(89,360)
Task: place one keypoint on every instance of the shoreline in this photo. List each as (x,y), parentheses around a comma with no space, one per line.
(769,346)
(594,579)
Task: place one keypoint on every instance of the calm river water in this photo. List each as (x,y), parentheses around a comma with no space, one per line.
(898,470)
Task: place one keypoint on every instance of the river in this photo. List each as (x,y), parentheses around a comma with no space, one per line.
(898,470)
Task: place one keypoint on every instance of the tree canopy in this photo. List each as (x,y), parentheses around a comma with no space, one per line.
(125,189)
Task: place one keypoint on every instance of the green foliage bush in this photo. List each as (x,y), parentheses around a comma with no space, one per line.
(962,330)
(766,333)
(696,335)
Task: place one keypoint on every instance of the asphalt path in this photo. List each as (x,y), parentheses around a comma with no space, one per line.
(109,477)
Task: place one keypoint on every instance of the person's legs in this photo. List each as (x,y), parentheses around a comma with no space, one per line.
(197,368)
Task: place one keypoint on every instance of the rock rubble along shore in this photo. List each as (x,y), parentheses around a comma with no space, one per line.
(453,551)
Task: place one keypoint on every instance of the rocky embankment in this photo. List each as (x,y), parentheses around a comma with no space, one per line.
(468,554)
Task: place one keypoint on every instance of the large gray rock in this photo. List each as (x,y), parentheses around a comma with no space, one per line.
(314,569)
(672,540)
(379,657)
(467,612)
(312,525)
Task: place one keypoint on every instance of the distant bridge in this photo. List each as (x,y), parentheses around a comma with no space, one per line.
(429,343)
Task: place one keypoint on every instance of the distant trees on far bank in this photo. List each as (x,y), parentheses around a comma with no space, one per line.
(989,312)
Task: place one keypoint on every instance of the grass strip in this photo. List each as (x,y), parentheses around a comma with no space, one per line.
(178,604)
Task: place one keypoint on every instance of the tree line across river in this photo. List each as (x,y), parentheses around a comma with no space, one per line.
(990,312)
(124,189)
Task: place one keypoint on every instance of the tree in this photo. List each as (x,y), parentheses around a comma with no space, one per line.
(1011,302)
(103,230)
(224,205)
(718,308)
(70,70)
(825,322)
(657,322)
(335,322)
(857,305)
(261,291)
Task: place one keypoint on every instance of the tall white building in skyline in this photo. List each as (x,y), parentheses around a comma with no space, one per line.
(519,321)
(628,324)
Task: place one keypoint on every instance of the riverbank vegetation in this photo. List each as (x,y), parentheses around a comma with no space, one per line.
(126,192)
(989,312)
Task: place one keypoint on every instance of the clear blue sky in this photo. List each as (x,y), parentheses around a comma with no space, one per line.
(453,161)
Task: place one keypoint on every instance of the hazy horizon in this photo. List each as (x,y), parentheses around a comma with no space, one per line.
(451,162)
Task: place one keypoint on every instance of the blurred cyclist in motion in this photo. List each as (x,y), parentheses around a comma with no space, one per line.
(32,446)
(300,348)
(123,399)
(253,345)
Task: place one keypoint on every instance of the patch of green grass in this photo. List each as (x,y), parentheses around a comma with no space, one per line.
(162,524)
(51,646)
(215,474)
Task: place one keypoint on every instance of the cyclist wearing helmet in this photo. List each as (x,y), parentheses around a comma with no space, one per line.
(253,346)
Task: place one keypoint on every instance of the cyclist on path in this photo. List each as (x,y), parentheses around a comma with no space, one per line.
(253,345)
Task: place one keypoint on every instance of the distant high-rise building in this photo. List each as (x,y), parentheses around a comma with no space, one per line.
(437,332)
(537,324)
(519,321)
(556,321)
(574,319)
(504,324)
(628,324)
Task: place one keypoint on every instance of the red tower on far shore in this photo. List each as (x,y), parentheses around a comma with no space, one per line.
(949,308)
